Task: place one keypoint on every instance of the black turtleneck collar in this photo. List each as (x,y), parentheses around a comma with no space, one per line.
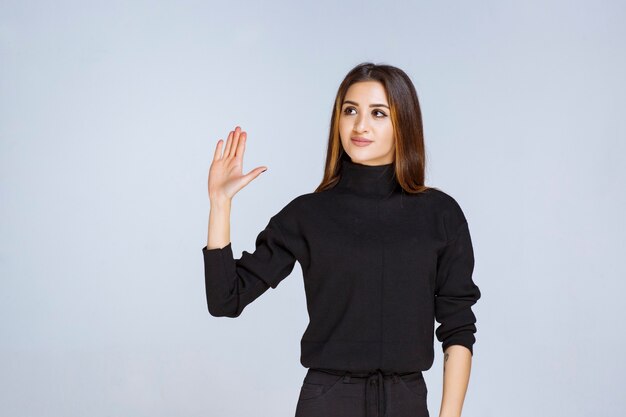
(371,180)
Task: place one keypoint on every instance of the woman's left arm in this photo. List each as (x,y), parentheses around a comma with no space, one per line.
(457,364)
(455,294)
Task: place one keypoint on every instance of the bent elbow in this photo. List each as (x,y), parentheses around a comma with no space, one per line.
(223,309)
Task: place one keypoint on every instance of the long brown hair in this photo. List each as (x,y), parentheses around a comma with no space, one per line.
(406,119)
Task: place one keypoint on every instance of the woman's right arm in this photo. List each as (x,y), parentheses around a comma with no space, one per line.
(232,284)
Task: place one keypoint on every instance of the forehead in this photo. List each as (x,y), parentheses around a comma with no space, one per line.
(364,92)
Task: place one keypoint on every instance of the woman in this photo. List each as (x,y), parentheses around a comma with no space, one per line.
(382,257)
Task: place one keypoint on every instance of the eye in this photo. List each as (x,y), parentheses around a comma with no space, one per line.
(378,111)
(347,109)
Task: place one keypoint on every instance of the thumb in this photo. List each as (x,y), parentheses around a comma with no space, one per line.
(253,174)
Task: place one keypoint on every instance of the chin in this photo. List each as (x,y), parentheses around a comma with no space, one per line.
(375,160)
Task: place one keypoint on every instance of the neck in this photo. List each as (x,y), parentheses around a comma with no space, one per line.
(371,180)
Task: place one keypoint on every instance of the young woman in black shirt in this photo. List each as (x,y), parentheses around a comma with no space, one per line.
(383,256)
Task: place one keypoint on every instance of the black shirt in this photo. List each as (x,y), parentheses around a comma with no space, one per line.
(379,266)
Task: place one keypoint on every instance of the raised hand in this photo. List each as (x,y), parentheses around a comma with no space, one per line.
(225,174)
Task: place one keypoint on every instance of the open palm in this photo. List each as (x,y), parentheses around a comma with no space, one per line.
(225,174)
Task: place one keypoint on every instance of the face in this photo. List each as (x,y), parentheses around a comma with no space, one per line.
(365,124)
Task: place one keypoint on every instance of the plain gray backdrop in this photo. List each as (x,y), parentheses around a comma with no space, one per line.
(110,114)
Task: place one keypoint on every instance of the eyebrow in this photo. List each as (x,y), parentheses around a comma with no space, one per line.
(371,105)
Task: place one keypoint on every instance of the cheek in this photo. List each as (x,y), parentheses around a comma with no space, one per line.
(389,140)
(344,128)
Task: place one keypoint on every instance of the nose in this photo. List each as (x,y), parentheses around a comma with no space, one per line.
(361,124)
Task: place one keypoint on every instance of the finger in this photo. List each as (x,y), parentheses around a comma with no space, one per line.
(241,146)
(218,150)
(233,145)
(228,142)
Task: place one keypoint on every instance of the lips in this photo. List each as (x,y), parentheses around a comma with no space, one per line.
(360,142)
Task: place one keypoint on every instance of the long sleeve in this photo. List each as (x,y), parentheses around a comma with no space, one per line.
(231,284)
(456,292)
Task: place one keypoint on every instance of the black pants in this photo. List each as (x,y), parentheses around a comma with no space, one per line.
(331,393)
